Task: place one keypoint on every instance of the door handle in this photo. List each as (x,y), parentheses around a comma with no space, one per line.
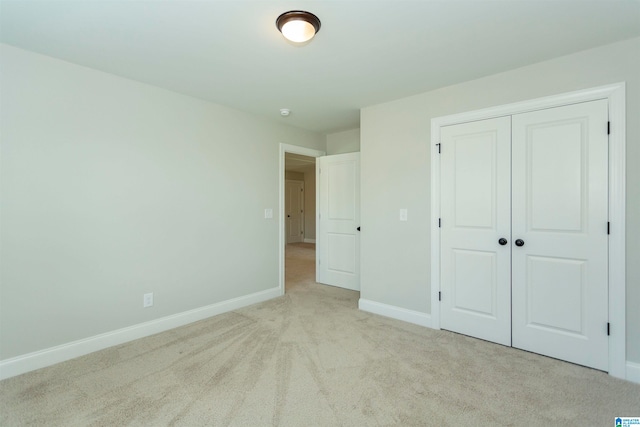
(519,242)
(502,241)
(288,216)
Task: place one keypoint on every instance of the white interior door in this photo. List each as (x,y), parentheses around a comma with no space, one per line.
(560,211)
(294,201)
(475,215)
(338,239)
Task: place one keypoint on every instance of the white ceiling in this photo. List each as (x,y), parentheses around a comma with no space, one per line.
(366,52)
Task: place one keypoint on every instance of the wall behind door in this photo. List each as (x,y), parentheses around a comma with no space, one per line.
(395,150)
(112,188)
(343,142)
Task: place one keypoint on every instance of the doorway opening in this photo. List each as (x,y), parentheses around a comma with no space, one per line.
(297,165)
(299,220)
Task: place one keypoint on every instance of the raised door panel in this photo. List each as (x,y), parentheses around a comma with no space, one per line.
(341,253)
(341,187)
(563,312)
(474,283)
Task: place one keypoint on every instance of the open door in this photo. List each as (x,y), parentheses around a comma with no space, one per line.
(338,235)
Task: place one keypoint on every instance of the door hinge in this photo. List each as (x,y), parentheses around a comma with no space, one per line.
(302,189)
(608,128)
(608,329)
(439,222)
(608,228)
(439,147)
(439,296)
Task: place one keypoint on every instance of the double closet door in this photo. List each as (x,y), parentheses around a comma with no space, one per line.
(524,211)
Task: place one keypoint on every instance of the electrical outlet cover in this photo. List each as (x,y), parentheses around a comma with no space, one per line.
(147,300)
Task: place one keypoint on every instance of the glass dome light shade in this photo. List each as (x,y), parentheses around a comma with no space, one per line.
(298,31)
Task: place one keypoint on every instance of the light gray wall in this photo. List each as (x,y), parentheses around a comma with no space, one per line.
(111,188)
(396,170)
(343,142)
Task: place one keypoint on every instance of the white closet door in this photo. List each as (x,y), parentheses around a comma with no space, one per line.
(560,176)
(475,214)
(338,240)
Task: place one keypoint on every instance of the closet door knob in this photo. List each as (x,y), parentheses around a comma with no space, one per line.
(519,242)
(502,241)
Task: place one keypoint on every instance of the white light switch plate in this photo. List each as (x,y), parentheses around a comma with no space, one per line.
(268,213)
(403,214)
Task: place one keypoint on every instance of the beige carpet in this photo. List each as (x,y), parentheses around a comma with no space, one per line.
(311,358)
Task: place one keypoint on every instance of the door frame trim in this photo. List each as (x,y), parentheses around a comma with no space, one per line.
(282,241)
(615,94)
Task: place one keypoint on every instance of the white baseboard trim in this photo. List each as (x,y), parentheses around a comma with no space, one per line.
(633,372)
(309,240)
(394,312)
(50,356)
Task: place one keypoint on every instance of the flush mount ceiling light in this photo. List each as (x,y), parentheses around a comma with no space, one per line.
(298,26)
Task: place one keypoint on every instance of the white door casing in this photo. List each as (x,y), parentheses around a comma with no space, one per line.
(338,239)
(476,212)
(294,202)
(560,213)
